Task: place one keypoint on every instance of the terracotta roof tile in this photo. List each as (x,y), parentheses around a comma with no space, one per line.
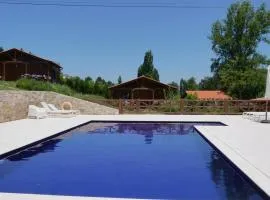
(209,94)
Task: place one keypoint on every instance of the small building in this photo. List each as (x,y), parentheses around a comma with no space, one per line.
(15,63)
(209,94)
(141,88)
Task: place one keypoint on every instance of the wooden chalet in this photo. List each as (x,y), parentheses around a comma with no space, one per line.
(15,63)
(141,88)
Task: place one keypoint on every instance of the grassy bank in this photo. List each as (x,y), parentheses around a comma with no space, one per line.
(8,85)
(33,85)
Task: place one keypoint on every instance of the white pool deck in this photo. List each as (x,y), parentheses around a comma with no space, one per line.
(244,142)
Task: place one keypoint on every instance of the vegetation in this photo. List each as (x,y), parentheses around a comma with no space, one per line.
(183,88)
(88,85)
(246,84)
(1,49)
(238,66)
(119,80)
(191,96)
(30,84)
(189,84)
(147,68)
(8,85)
(209,83)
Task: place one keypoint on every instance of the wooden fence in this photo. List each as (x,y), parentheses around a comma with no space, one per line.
(183,106)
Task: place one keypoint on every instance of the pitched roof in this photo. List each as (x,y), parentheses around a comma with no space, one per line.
(209,94)
(143,77)
(32,55)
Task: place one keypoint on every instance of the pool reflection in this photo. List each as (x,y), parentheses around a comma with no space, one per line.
(224,176)
(44,147)
(145,129)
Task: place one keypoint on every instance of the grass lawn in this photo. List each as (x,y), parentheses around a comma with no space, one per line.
(11,85)
(8,85)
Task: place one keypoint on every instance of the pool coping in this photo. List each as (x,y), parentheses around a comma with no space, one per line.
(15,151)
(202,131)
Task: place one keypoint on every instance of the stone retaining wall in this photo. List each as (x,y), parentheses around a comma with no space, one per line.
(14,104)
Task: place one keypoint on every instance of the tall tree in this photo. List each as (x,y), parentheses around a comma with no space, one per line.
(119,80)
(147,68)
(183,88)
(1,49)
(191,84)
(209,83)
(235,39)
(235,42)
(155,74)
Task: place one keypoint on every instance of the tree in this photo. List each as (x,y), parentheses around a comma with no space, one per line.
(109,83)
(235,39)
(246,84)
(155,74)
(191,84)
(183,88)
(235,42)
(88,78)
(1,49)
(147,68)
(209,83)
(119,80)
(101,87)
(89,85)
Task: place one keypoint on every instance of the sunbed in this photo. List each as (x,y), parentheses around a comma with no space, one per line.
(58,113)
(256,116)
(36,112)
(53,108)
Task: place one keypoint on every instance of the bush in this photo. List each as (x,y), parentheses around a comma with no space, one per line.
(34,85)
(191,97)
(30,84)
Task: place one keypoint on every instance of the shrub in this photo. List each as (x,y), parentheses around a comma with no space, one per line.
(30,84)
(34,85)
(192,97)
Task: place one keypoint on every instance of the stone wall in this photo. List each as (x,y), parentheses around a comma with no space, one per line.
(14,104)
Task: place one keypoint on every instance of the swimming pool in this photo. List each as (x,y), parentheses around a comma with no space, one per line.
(126,160)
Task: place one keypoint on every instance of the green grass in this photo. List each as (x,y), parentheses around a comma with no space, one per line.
(88,96)
(33,85)
(8,85)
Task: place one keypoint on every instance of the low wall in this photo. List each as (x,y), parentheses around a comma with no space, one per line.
(14,104)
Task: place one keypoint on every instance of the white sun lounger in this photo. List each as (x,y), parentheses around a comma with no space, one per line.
(58,113)
(53,108)
(259,116)
(36,112)
(256,116)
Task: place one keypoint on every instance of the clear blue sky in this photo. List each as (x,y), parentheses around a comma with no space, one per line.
(109,42)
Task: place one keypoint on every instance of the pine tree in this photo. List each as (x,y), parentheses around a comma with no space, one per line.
(119,80)
(147,68)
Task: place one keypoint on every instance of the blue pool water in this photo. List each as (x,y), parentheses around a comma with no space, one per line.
(129,160)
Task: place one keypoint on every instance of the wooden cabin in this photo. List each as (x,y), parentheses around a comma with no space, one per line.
(15,63)
(141,88)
